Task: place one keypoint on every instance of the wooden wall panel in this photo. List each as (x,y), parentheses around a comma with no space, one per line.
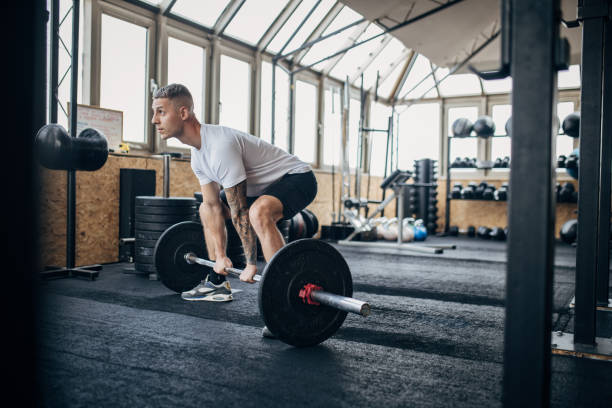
(98,206)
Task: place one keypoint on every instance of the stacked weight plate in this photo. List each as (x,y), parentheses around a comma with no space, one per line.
(153,216)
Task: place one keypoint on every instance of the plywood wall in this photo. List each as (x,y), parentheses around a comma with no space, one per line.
(97,208)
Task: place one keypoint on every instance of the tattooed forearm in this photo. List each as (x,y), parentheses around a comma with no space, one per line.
(236,198)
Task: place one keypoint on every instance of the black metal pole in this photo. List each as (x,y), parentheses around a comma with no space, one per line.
(531,208)
(74,82)
(291,110)
(588,175)
(447,210)
(603,260)
(272,136)
(53,60)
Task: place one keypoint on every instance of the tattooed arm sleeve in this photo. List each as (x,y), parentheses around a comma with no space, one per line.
(236,198)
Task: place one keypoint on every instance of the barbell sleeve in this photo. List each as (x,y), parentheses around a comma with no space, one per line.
(344,303)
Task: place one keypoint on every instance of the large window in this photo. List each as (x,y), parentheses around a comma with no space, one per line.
(186,65)
(123,74)
(332,127)
(379,120)
(500,146)
(281,109)
(418,134)
(462,147)
(234,94)
(565,144)
(354,118)
(305,135)
(265,102)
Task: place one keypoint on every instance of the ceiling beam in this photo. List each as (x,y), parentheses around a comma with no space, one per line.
(227,15)
(401,79)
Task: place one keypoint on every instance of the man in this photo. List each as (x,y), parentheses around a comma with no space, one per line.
(261,184)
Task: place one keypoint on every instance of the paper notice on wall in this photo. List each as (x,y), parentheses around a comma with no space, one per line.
(107,121)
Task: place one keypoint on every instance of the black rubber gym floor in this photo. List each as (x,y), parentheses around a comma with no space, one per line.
(434,338)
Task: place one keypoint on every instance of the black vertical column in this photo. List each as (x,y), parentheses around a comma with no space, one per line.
(71,177)
(53,60)
(588,175)
(24,52)
(526,380)
(603,260)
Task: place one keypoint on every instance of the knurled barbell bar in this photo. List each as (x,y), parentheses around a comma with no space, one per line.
(291,298)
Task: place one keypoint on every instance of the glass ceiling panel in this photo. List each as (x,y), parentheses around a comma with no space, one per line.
(497,85)
(306,29)
(351,61)
(332,44)
(290,25)
(420,69)
(253,19)
(384,89)
(457,84)
(196,11)
(569,78)
(386,58)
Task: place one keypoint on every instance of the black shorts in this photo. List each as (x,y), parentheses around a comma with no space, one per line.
(295,191)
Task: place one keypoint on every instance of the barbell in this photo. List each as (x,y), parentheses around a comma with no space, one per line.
(304,291)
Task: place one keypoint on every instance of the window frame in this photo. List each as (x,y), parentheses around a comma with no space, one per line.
(191,38)
(311,79)
(133,15)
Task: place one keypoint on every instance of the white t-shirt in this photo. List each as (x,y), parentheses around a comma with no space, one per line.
(228,156)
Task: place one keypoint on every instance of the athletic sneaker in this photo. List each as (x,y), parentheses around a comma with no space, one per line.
(267,333)
(209,292)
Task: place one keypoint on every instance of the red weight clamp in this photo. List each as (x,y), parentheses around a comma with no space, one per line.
(306,291)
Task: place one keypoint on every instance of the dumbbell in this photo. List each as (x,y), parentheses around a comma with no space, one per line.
(502,193)
(572,161)
(456,191)
(453,230)
(457,163)
(565,193)
(498,163)
(468,192)
(497,234)
(506,162)
(488,193)
(561,161)
(478,191)
(484,232)
(471,231)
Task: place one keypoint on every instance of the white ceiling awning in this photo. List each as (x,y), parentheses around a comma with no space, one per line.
(450,35)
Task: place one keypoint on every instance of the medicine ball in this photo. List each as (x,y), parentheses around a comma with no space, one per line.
(462,127)
(571,124)
(484,126)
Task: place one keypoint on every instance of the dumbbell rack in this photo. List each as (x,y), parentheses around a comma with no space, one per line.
(487,165)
